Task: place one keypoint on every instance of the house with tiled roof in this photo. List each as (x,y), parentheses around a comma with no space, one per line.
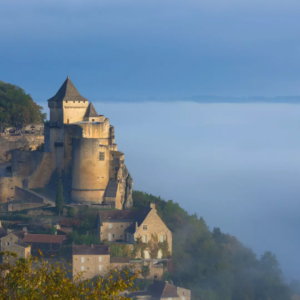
(13,241)
(136,226)
(96,260)
(45,242)
(162,290)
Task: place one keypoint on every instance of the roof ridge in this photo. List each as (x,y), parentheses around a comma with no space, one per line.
(91,111)
(67,92)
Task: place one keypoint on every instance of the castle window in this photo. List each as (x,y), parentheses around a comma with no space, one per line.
(101,156)
(82,260)
(100,268)
(82,268)
(162,238)
(100,258)
(144,227)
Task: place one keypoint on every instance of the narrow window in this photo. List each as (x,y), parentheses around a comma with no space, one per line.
(162,238)
(110,226)
(101,156)
(100,258)
(144,239)
(100,268)
(82,268)
(82,260)
(144,227)
(93,120)
(113,235)
(87,269)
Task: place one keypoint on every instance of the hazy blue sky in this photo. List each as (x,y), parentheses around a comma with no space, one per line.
(236,165)
(152,47)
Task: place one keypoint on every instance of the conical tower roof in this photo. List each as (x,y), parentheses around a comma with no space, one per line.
(91,111)
(67,92)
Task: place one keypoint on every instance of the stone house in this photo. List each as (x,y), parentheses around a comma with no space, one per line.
(92,260)
(95,260)
(45,242)
(162,290)
(13,241)
(131,226)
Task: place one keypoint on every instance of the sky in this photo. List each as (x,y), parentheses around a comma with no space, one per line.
(152,48)
(237,165)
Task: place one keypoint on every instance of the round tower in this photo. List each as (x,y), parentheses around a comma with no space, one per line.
(90,170)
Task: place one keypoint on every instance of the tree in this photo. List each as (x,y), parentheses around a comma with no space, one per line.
(71,212)
(17,107)
(36,278)
(59,201)
(145,271)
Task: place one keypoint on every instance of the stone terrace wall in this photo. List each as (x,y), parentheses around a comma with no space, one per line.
(21,142)
(28,196)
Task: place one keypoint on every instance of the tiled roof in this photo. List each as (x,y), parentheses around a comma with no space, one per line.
(67,92)
(111,189)
(163,289)
(2,232)
(90,250)
(22,244)
(124,215)
(120,260)
(44,238)
(158,290)
(91,111)
(20,233)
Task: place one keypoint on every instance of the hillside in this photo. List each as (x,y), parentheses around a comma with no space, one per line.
(17,107)
(214,265)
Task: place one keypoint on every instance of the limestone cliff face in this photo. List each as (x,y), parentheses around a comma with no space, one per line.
(125,187)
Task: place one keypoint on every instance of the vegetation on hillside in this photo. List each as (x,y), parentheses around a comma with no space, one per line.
(37,278)
(17,107)
(214,265)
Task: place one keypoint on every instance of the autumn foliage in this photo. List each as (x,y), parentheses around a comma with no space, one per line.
(37,278)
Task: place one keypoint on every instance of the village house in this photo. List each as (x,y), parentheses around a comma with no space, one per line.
(162,290)
(45,242)
(13,241)
(96,260)
(91,260)
(131,226)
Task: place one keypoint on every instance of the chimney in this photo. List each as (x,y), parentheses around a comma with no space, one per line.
(92,246)
(152,205)
(136,226)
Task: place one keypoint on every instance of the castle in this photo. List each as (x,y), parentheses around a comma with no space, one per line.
(76,138)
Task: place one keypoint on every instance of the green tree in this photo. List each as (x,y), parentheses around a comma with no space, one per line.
(145,272)
(17,107)
(71,212)
(36,279)
(59,200)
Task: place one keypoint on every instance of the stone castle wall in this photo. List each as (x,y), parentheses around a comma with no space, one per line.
(23,142)
(74,111)
(90,175)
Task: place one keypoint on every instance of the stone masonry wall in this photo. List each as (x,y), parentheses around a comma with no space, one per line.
(24,142)
(24,195)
